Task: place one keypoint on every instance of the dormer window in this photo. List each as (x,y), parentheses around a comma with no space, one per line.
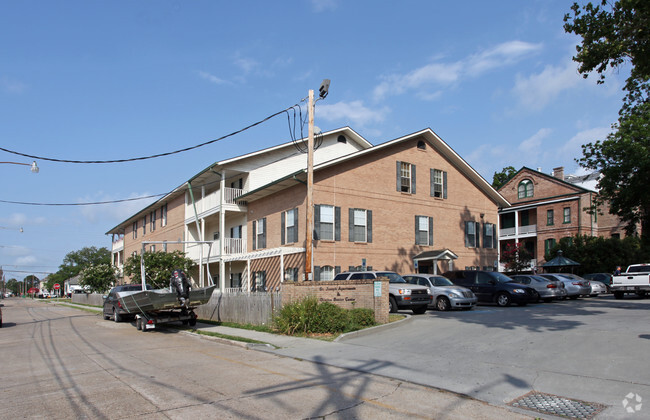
(525,188)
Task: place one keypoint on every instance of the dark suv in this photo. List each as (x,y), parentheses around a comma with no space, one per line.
(493,287)
(113,307)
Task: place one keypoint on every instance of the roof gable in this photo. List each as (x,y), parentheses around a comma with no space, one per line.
(544,186)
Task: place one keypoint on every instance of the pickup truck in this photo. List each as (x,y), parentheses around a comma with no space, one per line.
(635,280)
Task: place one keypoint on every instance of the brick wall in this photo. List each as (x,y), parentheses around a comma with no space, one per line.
(347,294)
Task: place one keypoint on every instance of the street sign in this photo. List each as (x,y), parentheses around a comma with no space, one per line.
(57,286)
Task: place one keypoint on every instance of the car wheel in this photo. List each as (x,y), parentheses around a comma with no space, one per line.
(574,297)
(503,299)
(442,304)
(138,324)
(548,300)
(419,310)
(116,315)
(392,305)
(619,295)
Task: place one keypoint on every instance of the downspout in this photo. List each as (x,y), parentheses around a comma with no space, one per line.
(198,231)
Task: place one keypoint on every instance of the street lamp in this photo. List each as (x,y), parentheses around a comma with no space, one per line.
(33,166)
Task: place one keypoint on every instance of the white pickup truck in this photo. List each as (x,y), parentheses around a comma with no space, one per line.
(635,280)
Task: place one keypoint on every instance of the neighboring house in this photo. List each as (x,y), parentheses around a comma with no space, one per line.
(72,285)
(410,204)
(546,208)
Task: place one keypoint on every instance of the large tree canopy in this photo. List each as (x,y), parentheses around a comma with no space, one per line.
(500,178)
(613,34)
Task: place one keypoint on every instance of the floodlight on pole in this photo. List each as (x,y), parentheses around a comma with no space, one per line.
(33,166)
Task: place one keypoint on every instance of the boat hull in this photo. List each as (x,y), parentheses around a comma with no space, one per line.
(162,299)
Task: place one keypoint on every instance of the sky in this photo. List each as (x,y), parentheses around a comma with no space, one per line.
(111,80)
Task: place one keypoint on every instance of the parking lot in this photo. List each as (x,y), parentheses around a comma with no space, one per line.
(591,349)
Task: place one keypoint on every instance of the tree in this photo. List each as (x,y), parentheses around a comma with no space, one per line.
(516,258)
(76,261)
(500,178)
(98,277)
(159,267)
(13,285)
(614,34)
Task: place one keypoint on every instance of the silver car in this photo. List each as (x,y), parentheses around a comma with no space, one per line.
(547,289)
(574,287)
(596,288)
(445,294)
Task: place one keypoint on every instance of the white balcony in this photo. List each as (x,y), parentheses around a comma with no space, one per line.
(211,203)
(521,231)
(118,245)
(231,246)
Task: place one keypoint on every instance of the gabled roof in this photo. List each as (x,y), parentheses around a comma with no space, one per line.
(439,145)
(548,177)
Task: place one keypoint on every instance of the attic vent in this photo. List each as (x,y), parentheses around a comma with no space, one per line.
(341,139)
(421,145)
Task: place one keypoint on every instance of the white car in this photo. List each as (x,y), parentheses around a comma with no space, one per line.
(597,288)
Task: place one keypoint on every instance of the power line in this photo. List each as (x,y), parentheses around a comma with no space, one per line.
(25,203)
(150,156)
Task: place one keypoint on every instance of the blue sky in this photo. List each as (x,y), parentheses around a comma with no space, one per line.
(107,80)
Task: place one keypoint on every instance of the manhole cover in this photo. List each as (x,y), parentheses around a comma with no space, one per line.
(558,406)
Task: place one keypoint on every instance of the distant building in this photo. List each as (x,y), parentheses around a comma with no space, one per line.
(546,208)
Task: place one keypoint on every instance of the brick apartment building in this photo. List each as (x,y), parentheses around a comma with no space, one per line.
(546,208)
(410,204)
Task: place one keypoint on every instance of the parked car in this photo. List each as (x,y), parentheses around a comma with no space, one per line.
(493,287)
(402,295)
(112,306)
(604,278)
(574,287)
(546,288)
(583,281)
(445,294)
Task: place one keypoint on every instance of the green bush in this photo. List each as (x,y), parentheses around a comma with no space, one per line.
(308,316)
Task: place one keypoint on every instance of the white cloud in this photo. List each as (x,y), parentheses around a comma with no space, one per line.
(12,86)
(212,78)
(323,5)
(438,75)
(533,144)
(355,112)
(573,147)
(246,64)
(538,90)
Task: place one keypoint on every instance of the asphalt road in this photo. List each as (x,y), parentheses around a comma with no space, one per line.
(595,350)
(59,362)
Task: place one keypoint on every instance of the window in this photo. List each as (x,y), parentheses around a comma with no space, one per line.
(360,225)
(438,183)
(550,217)
(567,215)
(422,145)
(235,280)
(423,230)
(525,188)
(289,222)
(405,177)
(153,248)
(489,235)
(135,229)
(548,245)
(259,283)
(259,233)
(324,273)
(291,274)
(327,223)
(163,215)
(153,221)
(471,236)
(164,246)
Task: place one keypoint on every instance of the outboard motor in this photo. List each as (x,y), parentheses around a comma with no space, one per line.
(181,284)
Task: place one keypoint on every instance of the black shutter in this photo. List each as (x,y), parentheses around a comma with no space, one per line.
(369,226)
(316,272)
(430,230)
(399,184)
(495,240)
(282,227)
(412,179)
(417,231)
(351,225)
(444,184)
(254,235)
(295,225)
(477,229)
(263,237)
(467,234)
(337,223)
(316,222)
(337,270)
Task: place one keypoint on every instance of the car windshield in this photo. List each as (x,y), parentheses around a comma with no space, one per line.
(500,278)
(441,281)
(392,277)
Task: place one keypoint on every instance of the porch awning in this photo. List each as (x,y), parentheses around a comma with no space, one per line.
(439,254)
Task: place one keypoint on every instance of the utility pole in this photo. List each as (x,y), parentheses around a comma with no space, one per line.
(310,191)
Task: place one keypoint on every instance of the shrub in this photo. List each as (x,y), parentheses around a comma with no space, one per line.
(308,316)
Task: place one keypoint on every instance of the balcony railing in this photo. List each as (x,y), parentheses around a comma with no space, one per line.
(523,230)
(212,201)
(231,246)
